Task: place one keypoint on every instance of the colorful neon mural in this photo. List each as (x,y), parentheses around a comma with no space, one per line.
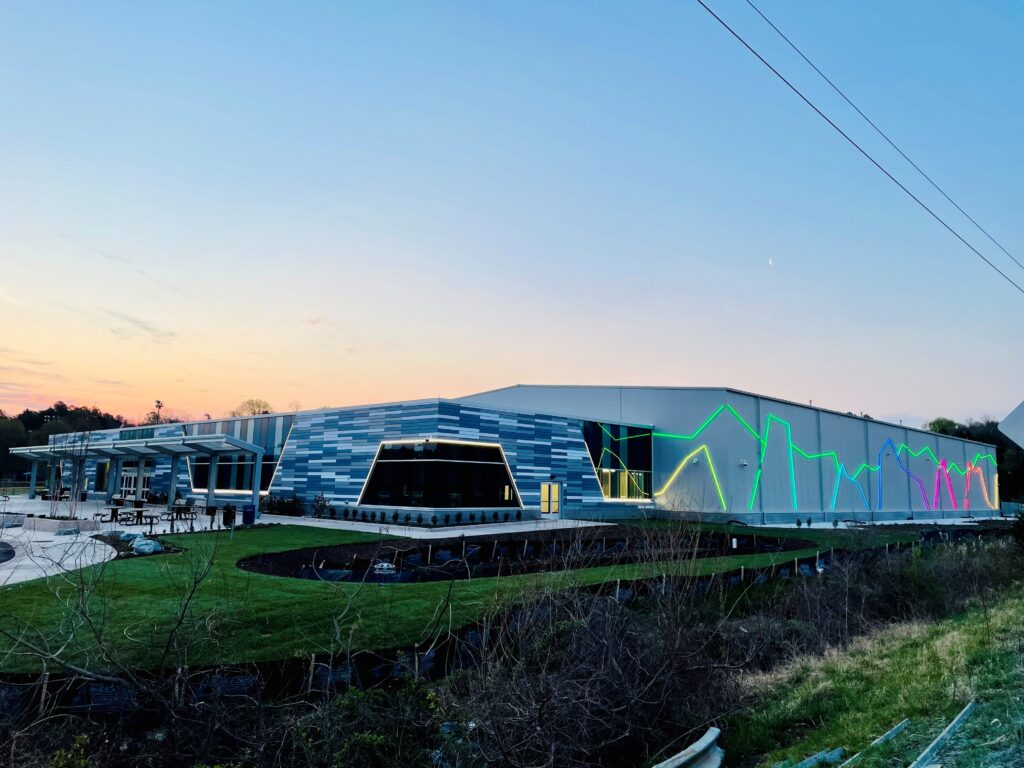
(942,471)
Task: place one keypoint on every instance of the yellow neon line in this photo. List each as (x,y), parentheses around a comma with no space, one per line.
(627,469)
(682,465)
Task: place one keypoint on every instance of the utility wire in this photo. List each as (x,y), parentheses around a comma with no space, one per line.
(860,149)
(882,133)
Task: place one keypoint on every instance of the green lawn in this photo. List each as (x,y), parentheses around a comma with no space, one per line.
(923,672)
(260,617)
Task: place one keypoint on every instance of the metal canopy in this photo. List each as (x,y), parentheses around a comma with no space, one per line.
(35,453)
(186,445)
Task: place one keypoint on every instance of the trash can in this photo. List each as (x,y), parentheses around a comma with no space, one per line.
(248,514)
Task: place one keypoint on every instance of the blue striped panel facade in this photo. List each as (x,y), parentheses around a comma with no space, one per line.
(331,451)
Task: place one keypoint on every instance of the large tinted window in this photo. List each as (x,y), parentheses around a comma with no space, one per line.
(440,475)
(622,458)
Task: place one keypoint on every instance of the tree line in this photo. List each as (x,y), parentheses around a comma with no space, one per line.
(35,428)
(1009,455)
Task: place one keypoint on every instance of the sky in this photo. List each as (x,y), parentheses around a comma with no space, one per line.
(323,203)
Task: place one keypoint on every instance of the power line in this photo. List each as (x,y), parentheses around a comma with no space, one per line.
(882,133)
(860,149)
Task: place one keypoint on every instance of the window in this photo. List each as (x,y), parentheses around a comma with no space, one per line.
(441,475)
(622,459)
(234,472)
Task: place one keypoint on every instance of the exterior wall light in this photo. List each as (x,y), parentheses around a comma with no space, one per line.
(744,463)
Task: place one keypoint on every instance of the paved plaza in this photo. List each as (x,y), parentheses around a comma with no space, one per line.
(42,554)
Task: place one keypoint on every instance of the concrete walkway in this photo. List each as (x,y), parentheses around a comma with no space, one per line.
(419,532)
(41,554)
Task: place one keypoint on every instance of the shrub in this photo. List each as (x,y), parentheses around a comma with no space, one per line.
(809,522)
(433,520)
(495,515)
(279,505)
(394,516)
(320,505)
(1017,530)
(419,519)
(408,518)
(519,515)
(447,518)
(799,523)
(472,517)
(344,513)
(507,515)
(458,518)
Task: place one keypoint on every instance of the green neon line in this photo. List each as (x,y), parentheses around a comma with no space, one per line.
(620,439)
(792,467)
(926,449)
(793,448)
(753,492)
(764,450)
(700,429)
(707,422)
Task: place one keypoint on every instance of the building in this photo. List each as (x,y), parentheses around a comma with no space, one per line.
(572,451)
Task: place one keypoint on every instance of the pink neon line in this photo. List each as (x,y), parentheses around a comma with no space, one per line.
(967,486)
(935,498)
(949,483)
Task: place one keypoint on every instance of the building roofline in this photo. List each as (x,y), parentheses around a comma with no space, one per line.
(465,400)
(734,391)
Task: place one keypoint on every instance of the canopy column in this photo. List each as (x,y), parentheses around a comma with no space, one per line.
(32,475)
(140,473)
(173,485)
(211,483)
(257,480)
(51,481)
(79,482)
(114,470)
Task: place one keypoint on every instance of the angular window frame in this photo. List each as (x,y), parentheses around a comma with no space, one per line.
(516,497)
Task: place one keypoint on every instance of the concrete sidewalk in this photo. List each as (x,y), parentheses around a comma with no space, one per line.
(420,532)
(41,554)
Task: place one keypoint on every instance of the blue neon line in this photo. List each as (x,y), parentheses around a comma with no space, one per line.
(881,474)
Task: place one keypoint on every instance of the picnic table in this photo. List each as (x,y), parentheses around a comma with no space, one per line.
(131,516)
(151,519)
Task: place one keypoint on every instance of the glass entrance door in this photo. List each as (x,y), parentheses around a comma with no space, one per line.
(551,499)
(129,476)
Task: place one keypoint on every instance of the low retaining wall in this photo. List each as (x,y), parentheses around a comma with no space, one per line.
(11,520)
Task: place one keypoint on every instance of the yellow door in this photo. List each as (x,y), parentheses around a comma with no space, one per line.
(550,498)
